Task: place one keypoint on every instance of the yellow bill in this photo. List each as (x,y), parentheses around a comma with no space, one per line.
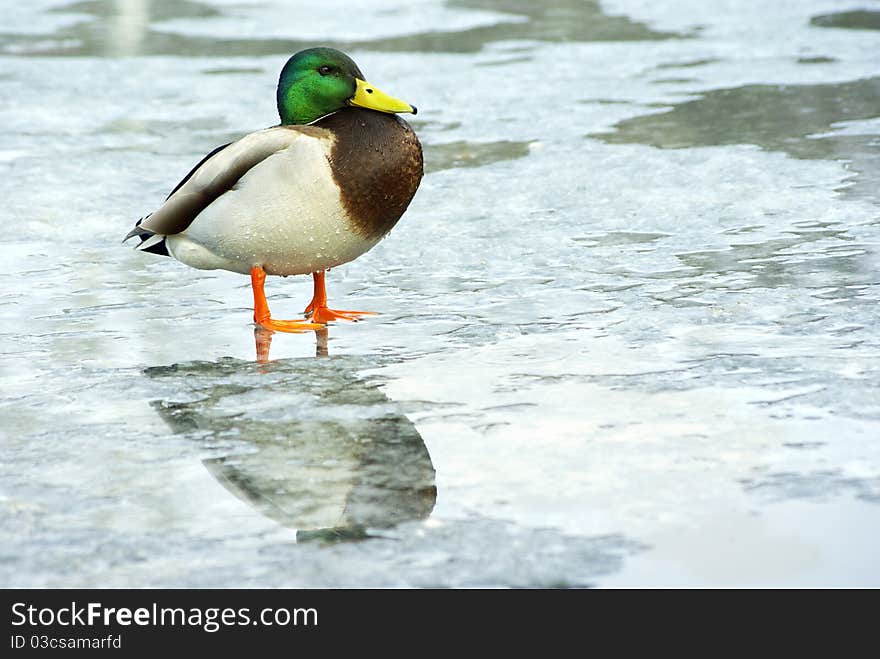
(368,96)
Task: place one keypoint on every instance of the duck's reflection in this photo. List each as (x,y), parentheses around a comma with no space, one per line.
(307,443)
(263,343)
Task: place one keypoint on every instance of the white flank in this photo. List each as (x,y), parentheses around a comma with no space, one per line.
(285,215)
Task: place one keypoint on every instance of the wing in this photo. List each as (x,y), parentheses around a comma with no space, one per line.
(216,174)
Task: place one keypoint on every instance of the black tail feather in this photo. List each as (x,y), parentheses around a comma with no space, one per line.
(159,248)
(144,235)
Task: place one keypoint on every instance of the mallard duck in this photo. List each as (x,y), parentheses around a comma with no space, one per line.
(314,192)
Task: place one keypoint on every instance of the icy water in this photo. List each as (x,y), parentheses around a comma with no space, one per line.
(628,328)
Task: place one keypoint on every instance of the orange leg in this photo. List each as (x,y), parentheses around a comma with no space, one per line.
(262,316)
(318,306)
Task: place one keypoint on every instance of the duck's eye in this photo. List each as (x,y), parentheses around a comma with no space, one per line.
(325,70)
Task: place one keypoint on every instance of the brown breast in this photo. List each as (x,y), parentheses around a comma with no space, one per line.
(377,163)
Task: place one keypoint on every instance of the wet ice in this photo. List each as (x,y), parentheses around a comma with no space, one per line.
(628,328)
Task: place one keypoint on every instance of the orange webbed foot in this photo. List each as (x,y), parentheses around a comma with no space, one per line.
(318,311)
(325,315)
(288,325)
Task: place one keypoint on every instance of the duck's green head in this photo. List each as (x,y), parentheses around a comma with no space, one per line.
(319,81)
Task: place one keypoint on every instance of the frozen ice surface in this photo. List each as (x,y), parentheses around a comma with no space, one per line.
(629,325)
